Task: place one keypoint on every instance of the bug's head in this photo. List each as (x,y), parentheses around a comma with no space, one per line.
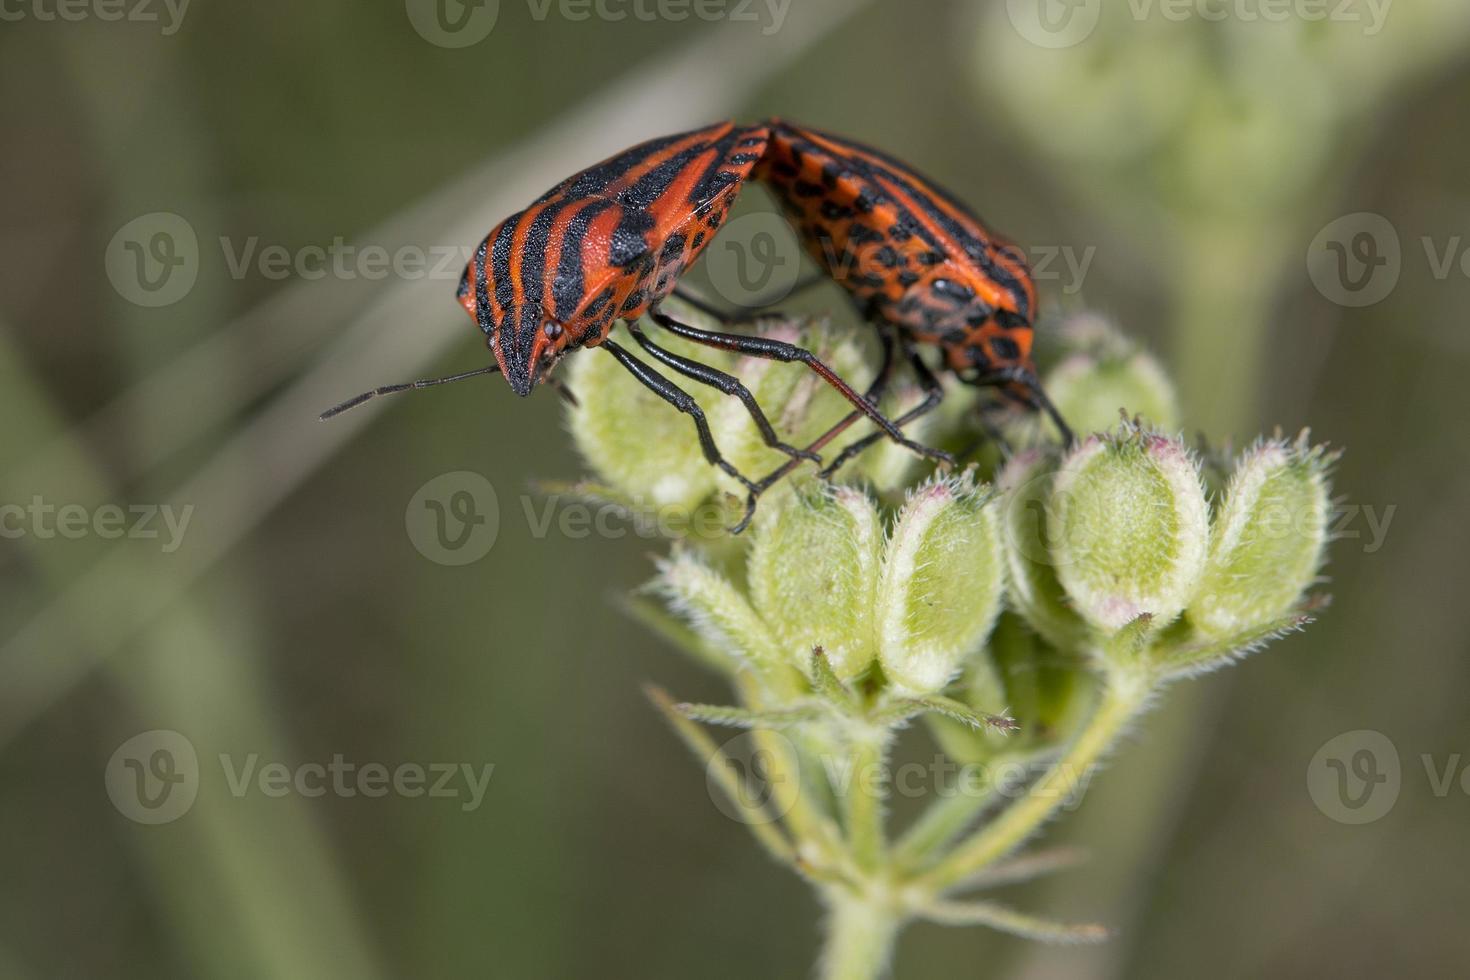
(526,341)
(528,349)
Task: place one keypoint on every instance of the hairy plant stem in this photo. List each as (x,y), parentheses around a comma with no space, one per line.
(861,931)
(864,797)
(1122,699)
(941,823)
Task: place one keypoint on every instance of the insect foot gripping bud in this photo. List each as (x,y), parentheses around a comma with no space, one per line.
(813,572)
(1268,541)
(642,452)
(940,588)
(1129,528)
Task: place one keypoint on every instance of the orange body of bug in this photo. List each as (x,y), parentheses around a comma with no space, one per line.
(910,253)
(605,244)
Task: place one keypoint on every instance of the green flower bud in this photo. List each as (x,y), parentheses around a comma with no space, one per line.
(717,611)
(941,584)
(1268,541)
(1035,591)
(813,572)
(1047,692)
(800,405)
(634,441)
(1090,387)
(1129,528)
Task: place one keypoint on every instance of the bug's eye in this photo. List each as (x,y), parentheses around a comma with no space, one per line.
(552,329)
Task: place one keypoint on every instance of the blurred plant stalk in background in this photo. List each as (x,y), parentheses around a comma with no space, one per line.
(1174,127)
(1027,616)
(1213,145)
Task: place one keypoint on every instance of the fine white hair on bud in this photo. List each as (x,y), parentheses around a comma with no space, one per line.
(1129,528)
(1090,390)
(940,588)
(1268,541)
(1035,592)
(716,610)
(813,573)
(633,440)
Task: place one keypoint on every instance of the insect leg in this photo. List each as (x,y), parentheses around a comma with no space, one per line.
(751,310)
(1038,396)
(726,383)
(874,392)
(781,351)
(933,395)
(683,401)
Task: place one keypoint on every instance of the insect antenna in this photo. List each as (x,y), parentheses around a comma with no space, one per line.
(406,386)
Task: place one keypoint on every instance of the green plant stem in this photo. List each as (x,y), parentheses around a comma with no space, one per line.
(1121,701)
(865,796)
(942,822)
(860,937)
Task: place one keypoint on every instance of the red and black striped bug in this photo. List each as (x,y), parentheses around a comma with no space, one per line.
(915,260)
(609,244)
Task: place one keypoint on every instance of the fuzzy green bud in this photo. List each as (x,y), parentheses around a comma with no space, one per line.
(1035,591)
(1268,541)
(717,611)
(635,442)
(813,573)
(800,405)
(1129,528)
(1089,389)
(940,588)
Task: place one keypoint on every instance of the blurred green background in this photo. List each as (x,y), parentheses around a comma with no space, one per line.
(1202,161)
